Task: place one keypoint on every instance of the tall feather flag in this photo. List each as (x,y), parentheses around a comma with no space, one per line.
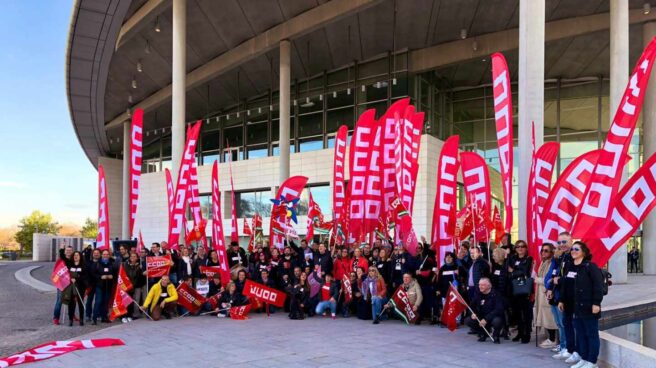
(217,227)
(339,186)
(136,144)
(102,241)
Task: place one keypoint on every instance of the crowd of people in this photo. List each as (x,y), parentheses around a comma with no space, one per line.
(509,296)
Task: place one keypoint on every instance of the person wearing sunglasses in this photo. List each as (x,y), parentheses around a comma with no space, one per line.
(520,267)
(581,291)
(542,311)
(566,350)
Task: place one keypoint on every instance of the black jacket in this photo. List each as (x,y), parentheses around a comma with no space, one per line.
(235,257)
(499,278)
(488,306)
(235,300)
(181,268)
(480,268)
(446,276)
(103,269)
(325,261)
(581,287)
(135,274)
(81,275)
(522,267)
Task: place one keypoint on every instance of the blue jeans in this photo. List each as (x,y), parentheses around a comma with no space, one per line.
(587,338)
(100,304)
(326,304)
(58,304)
(88,306)
(377,306)
(558,318)
(569,332)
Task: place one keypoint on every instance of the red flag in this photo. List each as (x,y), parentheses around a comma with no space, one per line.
(247,231)
(119,304)
(404,222)
(123,281)
(189,298)
(444,212)
(499,230)
(240,313)
(217,227)
(264,293)
(467,223)
(197,233)
(388,124)
(291,188)
(177,220)
(210,271)
(136,143)
(102,241)
(140,244)
(503,116)
(537,194)
(406,155)
(453,307)
(477,180)
(374,181)
(60,276)
(158,266)
(339,187)
(55,349)
(359,157)
(314,217)
(170,194)
(347,289)
(632,205)
(605,181)
(402,306)
(566,197)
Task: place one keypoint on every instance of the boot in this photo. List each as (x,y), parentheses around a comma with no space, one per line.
(70,322)
(482,338)
(81,322)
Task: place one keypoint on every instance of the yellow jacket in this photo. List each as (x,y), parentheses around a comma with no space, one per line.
(156,291)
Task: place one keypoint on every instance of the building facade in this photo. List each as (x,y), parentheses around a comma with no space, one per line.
(273,81)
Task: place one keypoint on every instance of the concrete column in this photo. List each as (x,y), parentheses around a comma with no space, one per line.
(125,217)
(531,93)
(619,76)
(178,88)
(649,141)
(285,77)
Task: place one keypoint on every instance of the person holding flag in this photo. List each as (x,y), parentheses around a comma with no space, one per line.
(487,312)
(137,278)
(73,293)
(66,256)
(162,299)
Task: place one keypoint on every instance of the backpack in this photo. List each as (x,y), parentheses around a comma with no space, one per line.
(606,280)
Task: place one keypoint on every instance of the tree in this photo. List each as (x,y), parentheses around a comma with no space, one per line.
(90,229)
(7,238)
(36,222)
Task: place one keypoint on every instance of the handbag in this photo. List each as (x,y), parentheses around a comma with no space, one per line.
(522,286)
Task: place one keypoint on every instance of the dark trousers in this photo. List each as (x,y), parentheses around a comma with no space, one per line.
(169,308)
(633,264)
(88,306)
(496,325)
(569,331)
(71,306)
(100,305)
(58,303)
(587,338)
(521,306)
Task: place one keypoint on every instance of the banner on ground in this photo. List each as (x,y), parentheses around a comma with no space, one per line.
(605,181)
(503,116)
(136,144)
(453,307)
(402,306)
(240,313)
(158,266)
(60,276)
(189,298)
(445,198)
(54,349)
(264,294)
(102,240)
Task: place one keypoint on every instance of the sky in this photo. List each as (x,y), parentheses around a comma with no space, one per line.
(42,166)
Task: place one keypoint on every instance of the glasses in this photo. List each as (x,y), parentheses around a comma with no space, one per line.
(546,250)
(576,249)
(562,242)
(520,246)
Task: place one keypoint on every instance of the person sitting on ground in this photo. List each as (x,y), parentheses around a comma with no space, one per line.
(230,298)
(413,290)
(241,281)
(215,291)
(329,295)
(349,302)
(187,280)
(162,299)
(488,312)
(203,285)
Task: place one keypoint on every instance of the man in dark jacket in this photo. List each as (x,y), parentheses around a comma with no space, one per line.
(323,259)
(66,255)
(488,312)
(237,255)
(479,269)
(329,294)
(104,274)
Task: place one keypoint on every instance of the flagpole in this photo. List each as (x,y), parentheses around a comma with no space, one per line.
(471,311)
(81,301)
(142,310)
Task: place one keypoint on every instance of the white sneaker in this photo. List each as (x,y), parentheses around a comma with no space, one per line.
(124,320)
(129,319)
(556,349)
(547,344)
(581,364)
(573,359)
(562,355)
(220,315)
(590,365)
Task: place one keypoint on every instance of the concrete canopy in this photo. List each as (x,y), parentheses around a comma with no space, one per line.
(99,97)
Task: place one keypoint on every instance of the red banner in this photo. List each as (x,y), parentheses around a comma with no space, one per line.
(632,205)
(189,298)
(406,156)
(136,144)
(503,115)
(198,231)
(566,197)
(374,182)
(240,313)
(56,348)
(539,186)
(140,244)
(102,241)
(499,229)
(605,181)
(402,306)
(477,180)
(210,271)
(123,281)
(314,215)
(453,307)
(170,194)
(388,123)
(218,239)
(60,276)
(359,157)
(158,266)
(347,289)
(339,186)
(290,189)
(177,220)
(264,294)
(445,198)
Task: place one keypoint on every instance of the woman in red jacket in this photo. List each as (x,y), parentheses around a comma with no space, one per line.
(359,261)
(342,265)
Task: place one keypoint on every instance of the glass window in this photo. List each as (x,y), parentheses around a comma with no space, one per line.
(234,137)
(210,144)
(400,89)
(257,151)
(339,99)
(275,150)
(248,203)
(310,144)
(373,92)
(310,124)
(275,128)
(166,146)
(234,154)
(257,132)
(321,194)
(380,108)
(338,117)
